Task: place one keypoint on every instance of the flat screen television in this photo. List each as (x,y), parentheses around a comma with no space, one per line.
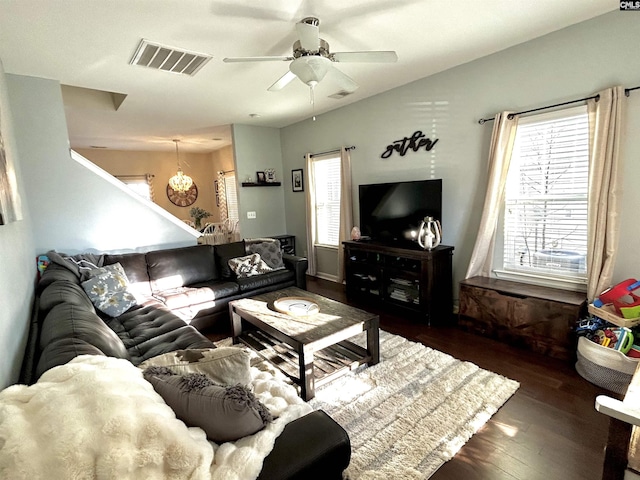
(391,213)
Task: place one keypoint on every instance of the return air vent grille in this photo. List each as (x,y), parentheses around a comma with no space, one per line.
(169,59)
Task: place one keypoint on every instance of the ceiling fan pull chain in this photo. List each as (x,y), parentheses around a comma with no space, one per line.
(313,103)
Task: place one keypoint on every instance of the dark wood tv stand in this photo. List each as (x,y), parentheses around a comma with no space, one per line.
(413,281)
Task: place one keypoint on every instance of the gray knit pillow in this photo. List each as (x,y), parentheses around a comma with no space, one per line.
(225,414)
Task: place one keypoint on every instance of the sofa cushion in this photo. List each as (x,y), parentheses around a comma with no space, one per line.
(224,413)
(138,325)
(181,338)
(183,296)
(265,280)
(107,289)
(220,289)
(135,266)
(269,251)
(61,351)
(226,252)
(63,291)
(224,365)
(248,266)
(70,321)
(55,272)
(178,267)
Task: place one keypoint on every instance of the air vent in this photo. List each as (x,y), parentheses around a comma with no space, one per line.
(340,94)
(169,59)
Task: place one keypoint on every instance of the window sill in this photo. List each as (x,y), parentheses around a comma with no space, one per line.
(564,283)
(327,247)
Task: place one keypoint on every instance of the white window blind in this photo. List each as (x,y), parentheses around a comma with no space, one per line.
(138,185)
(545,220)
(326,172)
(231,196)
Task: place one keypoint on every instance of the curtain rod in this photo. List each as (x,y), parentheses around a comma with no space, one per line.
(134,176)
(225,171)
(332,151)
(596,97)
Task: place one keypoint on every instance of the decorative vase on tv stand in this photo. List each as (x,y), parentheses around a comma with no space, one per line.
(430,233)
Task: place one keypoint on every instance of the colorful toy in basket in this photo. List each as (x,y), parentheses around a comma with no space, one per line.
(617,338)
(625,340)
(623,298)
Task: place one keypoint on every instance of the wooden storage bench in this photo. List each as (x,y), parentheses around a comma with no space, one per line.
(541,319)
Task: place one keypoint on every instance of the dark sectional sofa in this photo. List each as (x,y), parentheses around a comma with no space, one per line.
(178,292)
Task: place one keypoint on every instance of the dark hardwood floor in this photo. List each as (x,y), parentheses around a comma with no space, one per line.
(548,430)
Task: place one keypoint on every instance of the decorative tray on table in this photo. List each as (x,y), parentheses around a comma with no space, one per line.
(296,306)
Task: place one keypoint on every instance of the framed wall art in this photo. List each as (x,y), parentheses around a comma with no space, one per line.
(297,180)
(261,177)
(10,203)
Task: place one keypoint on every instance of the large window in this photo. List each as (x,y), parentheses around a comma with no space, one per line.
(326,172)
(545,211)
(139,184)
(231,197)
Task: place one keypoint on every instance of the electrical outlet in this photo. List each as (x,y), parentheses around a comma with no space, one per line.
(251,214)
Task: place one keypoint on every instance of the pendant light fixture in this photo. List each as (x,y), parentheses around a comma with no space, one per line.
(180,182)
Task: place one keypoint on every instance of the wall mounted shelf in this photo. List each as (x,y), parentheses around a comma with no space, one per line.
(265,184)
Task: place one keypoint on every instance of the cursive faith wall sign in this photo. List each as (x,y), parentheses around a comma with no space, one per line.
(415,142)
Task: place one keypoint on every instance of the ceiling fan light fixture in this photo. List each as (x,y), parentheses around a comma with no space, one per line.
(310,69)
(180,182)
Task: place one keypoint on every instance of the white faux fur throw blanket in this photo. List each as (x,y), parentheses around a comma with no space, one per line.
(97,418)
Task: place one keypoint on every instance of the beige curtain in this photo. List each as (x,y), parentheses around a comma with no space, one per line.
(222,197)
(605,187)
(311,224)
(149,178)
(346,208)
(502,139)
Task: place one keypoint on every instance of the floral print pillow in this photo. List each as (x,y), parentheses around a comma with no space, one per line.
(107,289)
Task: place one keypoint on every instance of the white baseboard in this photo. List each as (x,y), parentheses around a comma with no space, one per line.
(326,276)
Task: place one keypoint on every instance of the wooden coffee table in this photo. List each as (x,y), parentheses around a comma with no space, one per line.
(311,350)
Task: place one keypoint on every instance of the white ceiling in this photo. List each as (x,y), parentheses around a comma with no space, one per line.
(89,43)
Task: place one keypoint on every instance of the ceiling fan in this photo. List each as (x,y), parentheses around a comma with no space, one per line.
(312,60)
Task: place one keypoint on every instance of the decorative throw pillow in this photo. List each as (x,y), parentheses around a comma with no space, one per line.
(269,252)
(223,365)
(224,413)
(107,289)
(249,266)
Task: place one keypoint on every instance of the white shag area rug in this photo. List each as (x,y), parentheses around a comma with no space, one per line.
(413,411)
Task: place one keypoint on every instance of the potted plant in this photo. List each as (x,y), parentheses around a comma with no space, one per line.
(198,214)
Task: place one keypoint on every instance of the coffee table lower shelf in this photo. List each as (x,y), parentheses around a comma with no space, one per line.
(328,363)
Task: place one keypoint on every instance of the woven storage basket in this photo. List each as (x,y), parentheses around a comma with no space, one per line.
(604,366)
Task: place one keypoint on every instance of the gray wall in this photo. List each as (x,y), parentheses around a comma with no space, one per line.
(17,259)
(564,65)
(73,208)
(66,207)
(256,149)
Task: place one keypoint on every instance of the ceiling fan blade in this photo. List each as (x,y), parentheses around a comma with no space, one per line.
(282,82)
(344,81)
(257,59)
(369,57)
(309,36)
